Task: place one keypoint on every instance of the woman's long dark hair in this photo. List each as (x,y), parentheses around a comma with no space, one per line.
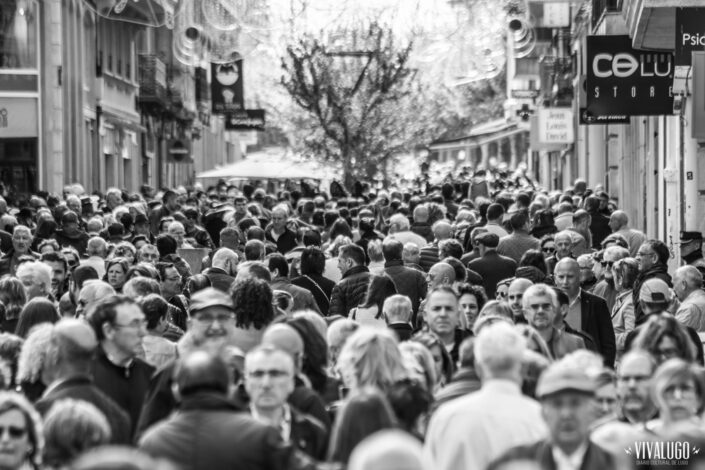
(315,353)
(36,311)
(381,287)
(253,303)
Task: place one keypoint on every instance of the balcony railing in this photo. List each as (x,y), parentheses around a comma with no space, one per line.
(152,79)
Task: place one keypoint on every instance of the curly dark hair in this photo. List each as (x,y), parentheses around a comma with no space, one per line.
(477,291)
(315,353)
(253,303)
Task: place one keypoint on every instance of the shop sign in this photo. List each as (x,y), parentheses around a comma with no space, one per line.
(247,119)
(18,117)
(227,93)
(690,33)
(624,82)
(555,126)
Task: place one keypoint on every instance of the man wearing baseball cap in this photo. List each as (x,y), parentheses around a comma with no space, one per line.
(567,396)
(211,327)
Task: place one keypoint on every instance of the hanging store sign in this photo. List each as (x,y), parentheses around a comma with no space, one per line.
(690,33)
(227,93)
(555,126)
(247,119)
(623,82)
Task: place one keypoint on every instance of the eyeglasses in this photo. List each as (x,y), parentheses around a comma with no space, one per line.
(135,324)
(13,431)
(221,318)
(273,373)
(641,254)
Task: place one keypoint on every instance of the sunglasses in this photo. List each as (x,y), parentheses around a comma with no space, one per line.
(607,264)
(548,250)
(13,431)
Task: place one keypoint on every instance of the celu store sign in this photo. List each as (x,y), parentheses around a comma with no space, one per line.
(623,82)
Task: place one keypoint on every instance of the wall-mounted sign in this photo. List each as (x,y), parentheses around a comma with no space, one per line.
(227,92)
(690,33)
(623,82)
(524,94)
(247,119)
(179,151)
(18,117)
(555,126)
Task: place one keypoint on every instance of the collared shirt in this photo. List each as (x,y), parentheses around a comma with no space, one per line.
(471,431)
(569,462)
(284,425)
(691,311)
(574,316)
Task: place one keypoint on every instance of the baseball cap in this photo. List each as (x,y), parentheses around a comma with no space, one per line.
(209,297)
(655,290)
(560,377)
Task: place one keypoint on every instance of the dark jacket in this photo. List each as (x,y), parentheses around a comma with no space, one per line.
(541,453)
(209,432)
(81,387)
(423,230)
(321,288)
(409,282)
(219,279)
(78,240)
(308,435)
(428,256)
(6,264)
(659,271)
(286,241)
(126,386)
(596,321)
(403,331)
(599,228)
(350,291)
(493,268)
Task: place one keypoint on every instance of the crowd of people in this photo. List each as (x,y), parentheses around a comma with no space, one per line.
(481,323)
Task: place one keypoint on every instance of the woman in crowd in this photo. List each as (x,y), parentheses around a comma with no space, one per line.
(10,349)
(30,364)
(72,427)
(12,298)
(665,338)
(313,263)
(606,394)
(253,312)
(441,358)
(471,299)
(36,311)
(365,413)
(677,389)
(127,251)
(370,357)
(624,273)
(370,311)
(21,442)
(116,273)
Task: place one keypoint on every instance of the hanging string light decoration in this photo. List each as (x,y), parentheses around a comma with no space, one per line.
(189,38)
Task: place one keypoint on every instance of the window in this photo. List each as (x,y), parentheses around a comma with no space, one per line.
(19,34)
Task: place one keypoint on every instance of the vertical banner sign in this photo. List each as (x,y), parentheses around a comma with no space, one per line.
(690,33)
(227,92)
(623,82)
(555,126)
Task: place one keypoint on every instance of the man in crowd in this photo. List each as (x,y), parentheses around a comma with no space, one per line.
(619,223)
(400,229)
(652,257)
(409,282)
(515,294)
(21,246)
(567,403)
(492,266)
(397,313)
(442,316)
(495,214)
(223,269)
(692,250)
(59,272)
(119,325)
(303,298)
(586,312)
(540,305)
(269,380)
(279,233)
(687,285)
(519,241)
(67,370)
(606,288)
(564,249)
(350,291)
(472,431)
(36,278)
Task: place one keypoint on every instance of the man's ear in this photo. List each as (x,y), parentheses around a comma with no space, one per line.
(176,392)
(107,329)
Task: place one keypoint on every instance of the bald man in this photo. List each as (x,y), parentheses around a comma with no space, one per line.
(515,294)
(619,223)
(278,233)
(687,284)
(223,269)
(68,364)
(440,274)
(303,398)
(587,313)
(388,450)
(442,230)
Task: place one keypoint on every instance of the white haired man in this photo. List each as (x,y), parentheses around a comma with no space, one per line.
(473,430)
(36,279)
